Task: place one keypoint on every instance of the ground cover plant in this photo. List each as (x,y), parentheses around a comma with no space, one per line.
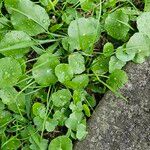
(57,58)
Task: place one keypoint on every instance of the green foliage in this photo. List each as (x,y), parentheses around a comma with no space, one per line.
(61,142)
(55,58)
(116,25)
(77,63)
(115,63)
(28,16)
(61,97)
(139,46)
(117,79)
(108,49)
(13,38)
(10,72)
(44,69)
(14,100)
(64,72)
(100,65)
(83,33)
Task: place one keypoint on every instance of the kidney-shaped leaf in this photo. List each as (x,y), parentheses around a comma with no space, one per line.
(44,69)
(79,82)
(138,44)
(64,72)
(61,97)
(116,24)
(115,63)
(117,79)
(10,72)
(77,63)
(28,16)
(61,143)
(83,33)
(100,65)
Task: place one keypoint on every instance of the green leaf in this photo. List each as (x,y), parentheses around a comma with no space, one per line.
(64,72)
(74,119)
(72,1)
(83,33)
(139,44)
(79,95)
(116,25)
(87,5)
(61,143)
(81,131)
(61,97)
(50,125)
(143,22)
(115,63)
(147,6)
(79,82)
(108,49)
(60,116)
(77,63)
(38,122)
(69,15)
(37,143)
(39,109)
(86,110)
(10,72)
(44,69)
(122,55)
(100,65)
(2,106)
(12,99)
(117,79)
(4,25)
(5,117)
(28,16)
(12,144)
(78,107)
(12,38)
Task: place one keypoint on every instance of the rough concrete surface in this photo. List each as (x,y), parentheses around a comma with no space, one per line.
(120,125)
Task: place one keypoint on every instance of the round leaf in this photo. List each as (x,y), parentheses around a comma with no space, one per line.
(139,44)
(122,55)
(50,125)
(115,63)
(64,72)
(74,119)
(83,33)
(44,69)
(79,82)
(10,72)
(39,110)
(100,65)
(117,79)
(81,131)
(77,63)
(61,97)
(61,143)
(116,24)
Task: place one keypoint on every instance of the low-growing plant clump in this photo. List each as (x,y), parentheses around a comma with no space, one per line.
(56,57)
